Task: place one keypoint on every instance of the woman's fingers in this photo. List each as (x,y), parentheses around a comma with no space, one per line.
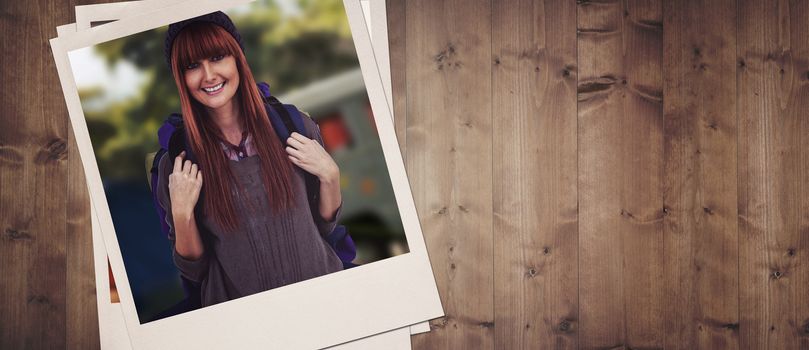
(187,166)
(193,172)
(300,138)
(294,152)
(295,142)
(178,162)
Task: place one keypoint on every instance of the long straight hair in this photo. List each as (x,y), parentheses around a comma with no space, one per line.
(203,40)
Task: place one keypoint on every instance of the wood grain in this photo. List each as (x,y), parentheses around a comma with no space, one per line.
(396,16)
(33,177)
(620,174)
(82,310)
(701,255)
(772,88)
(535,198)
(449,161)
(684,150)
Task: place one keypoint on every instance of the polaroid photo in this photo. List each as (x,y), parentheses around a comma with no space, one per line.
(112,329)
(362,291)
(93,15)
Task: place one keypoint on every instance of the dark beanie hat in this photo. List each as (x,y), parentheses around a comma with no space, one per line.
(219,18)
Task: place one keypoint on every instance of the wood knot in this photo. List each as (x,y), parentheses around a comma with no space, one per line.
(452,266)
(38,299)
(546,250)
(731,326)
(536,69)
(707,210)
(599,84)
(14,234)
(565,72)
(697,52)
(564,326)
(463,209)
(791,252)
(781,71)
(497,61)
(806,327)
(439,323)
(776,274)
(666,210)
(445,57)
(486,324)
(627,214)
(531,272)
(442,211)
(742,63)
(56,149)
(10,155)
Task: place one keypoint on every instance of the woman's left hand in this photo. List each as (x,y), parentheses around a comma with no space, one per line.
(307,154)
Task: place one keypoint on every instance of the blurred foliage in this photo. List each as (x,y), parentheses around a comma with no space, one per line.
(285,50)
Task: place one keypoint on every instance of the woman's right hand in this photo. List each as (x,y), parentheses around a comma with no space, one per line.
(185,183)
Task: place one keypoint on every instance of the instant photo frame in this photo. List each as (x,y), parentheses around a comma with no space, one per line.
(88,16)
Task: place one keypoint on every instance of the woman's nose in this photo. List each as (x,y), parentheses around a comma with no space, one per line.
(207,68)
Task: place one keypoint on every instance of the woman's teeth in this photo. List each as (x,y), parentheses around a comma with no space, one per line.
(214,88)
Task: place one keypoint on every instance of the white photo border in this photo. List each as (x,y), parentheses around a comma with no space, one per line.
(339,307)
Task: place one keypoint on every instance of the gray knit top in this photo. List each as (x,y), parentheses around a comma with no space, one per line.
(269,249)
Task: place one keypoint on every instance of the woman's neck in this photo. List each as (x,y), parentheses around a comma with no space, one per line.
(228,119)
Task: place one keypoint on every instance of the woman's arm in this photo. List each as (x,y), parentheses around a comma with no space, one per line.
(330,196)
(192,269)
(187,239)
(310,156)
(185,183)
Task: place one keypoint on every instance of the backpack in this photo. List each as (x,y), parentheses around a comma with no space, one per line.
(285,119)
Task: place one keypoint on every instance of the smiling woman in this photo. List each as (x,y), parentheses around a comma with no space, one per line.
(251,225)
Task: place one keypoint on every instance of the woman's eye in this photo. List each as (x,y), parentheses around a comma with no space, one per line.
(191,66)
(217,58)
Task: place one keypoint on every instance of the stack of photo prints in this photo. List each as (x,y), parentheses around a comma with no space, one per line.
(247,188)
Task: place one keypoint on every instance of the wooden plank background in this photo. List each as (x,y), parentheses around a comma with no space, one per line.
(593,174)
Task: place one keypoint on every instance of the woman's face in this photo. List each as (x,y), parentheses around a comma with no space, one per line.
(213,81)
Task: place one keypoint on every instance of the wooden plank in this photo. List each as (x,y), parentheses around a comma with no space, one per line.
(620,174)
(799,16)
(449,161)
(772,88)
(701,275)
(396,16)
(535,198)
(33,177)
(82,309)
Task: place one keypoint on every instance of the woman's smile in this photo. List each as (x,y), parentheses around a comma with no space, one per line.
(213,90)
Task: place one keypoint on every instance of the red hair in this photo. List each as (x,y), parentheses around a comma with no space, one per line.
(200,41)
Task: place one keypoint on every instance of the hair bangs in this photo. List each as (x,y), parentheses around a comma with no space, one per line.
(199,41)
